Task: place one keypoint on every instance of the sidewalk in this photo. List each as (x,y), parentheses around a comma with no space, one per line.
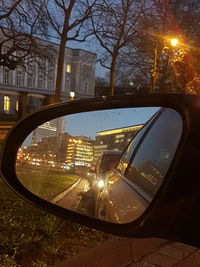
(125,252)
(115,252)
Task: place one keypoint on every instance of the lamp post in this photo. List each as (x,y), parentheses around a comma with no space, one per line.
(72,95)
(173,42)
(155,71)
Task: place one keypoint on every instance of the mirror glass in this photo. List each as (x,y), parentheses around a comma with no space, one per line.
(105,164)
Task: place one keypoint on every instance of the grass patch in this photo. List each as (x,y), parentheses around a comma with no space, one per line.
(31,237)
(46,185)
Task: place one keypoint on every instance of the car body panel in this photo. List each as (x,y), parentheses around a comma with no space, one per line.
(120,201)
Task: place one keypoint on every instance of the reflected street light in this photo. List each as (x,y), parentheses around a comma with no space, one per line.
(72,95)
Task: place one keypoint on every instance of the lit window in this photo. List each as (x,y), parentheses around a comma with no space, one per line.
(17,105)
(68,68)
(119,136)
(6,104)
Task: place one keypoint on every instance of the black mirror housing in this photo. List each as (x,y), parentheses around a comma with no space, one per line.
(174,212)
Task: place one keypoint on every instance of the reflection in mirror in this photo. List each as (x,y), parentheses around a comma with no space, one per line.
(106,164)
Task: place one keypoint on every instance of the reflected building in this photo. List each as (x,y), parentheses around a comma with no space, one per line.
(52,145)
(114,139)
(80,151)
(49,149)
(48,129)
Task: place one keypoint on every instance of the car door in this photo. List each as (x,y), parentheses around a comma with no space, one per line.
(132,185)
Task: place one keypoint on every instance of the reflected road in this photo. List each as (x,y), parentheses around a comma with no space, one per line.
(79,199)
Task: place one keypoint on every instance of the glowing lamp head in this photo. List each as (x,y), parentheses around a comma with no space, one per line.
(173,41)
(72,94)
(101,183)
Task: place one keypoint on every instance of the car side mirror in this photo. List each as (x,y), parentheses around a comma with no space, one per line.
(49,158)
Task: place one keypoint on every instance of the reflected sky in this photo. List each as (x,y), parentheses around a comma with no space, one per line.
(89,123)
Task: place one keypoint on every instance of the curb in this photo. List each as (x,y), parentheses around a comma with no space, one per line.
(64,193)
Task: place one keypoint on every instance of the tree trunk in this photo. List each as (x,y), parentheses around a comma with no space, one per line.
(59,75)
(112,77)
(61,56)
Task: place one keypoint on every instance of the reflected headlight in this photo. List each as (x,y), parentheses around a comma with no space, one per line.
(101,183)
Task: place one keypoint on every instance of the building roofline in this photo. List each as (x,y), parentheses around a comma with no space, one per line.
(74,49)
(54,43)
(118,130)
(80,49)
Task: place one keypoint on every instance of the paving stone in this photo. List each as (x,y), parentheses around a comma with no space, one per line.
(143,246)
(195,257)
(173,252)
(198,251)
(183,246)
(160,260)
(187,264)
(144,264)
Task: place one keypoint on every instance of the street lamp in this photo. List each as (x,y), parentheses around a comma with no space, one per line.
(72,95)
(174,42)
(131,83)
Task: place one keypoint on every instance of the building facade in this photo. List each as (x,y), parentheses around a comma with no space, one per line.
(50,128)
(34,85)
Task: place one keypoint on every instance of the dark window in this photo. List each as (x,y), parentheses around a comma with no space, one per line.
(124,161)
(153,157)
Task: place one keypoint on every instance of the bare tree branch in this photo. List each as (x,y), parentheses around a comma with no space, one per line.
(115,24)
(68,27)
(9,9)
(23,20)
